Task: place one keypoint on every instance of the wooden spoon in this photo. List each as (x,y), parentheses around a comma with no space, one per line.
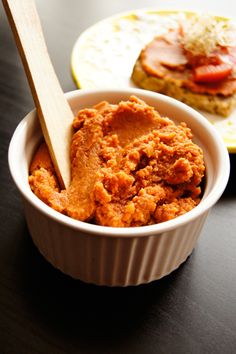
(53,110)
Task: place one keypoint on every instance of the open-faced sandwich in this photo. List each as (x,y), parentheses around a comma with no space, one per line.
(195,63)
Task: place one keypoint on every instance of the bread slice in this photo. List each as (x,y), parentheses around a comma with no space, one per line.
(215,104)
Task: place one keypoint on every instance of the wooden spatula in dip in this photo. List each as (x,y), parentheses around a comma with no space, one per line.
(53,110)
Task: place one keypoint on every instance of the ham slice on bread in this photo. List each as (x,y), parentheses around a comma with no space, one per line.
(204,82)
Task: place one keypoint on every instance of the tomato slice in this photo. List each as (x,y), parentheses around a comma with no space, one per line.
(212,73)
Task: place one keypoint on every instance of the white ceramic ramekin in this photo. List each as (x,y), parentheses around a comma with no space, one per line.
(118,256)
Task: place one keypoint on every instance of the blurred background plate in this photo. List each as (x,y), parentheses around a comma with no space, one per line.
(104,56)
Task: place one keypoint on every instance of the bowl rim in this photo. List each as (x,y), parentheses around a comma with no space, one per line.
(139,231)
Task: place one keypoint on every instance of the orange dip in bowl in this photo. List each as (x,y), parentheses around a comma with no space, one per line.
(129,167)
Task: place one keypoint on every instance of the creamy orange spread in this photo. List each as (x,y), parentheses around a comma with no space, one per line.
(129,167)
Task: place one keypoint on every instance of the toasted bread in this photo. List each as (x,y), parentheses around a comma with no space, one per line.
(215,104)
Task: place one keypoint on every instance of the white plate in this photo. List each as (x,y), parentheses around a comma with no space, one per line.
(104,56)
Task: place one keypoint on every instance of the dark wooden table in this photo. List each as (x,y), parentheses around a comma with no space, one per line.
(193,310)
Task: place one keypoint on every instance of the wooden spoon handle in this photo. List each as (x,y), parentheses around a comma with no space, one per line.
(52,107)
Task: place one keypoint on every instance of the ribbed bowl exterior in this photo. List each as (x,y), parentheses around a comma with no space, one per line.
(111,261)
